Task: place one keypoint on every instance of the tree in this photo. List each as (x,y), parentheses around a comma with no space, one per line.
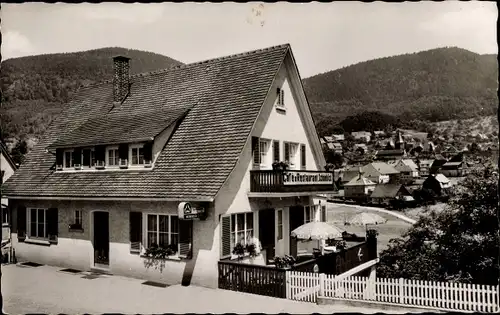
(459,243)
(334,158)
(18,152)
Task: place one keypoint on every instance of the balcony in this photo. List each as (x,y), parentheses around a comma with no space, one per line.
(290,182)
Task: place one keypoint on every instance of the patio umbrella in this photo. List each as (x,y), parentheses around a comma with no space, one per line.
(365,219)
(317,231)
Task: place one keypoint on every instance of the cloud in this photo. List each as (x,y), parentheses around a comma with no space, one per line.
(128,13)
(15,44)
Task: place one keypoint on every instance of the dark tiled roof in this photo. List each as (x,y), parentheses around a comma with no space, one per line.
(224,97)
(386,191)
(390,152)
(112,129)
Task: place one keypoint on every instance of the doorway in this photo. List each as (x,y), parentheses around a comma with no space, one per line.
(101,239)
(296,220)
(266,232)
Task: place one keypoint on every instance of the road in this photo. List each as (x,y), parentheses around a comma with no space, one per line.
(47,290)
(397,215)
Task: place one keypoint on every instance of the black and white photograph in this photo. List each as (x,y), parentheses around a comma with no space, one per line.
(255,157)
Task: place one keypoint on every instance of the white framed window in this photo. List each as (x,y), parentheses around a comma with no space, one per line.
(291,152)
(280,98)
(136,154)
(280,224)
(112,156)
(37,223)
(264,146)
(241,228)
(162,230)
(68,159)
(309,214)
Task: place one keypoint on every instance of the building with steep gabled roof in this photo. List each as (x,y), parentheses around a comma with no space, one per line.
(181,159)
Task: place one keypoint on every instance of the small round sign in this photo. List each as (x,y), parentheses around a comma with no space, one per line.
(316,268)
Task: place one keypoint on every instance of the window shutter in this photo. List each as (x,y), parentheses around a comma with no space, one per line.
(123,151)
(287,152)
(100,153)
(276,148)
(278,94)
(21,223)
(255,150)
(135,223)
(185,238)
(303,156)
(226,236)
(282,96)
(148,151)
(77,156)
(52,225)
(59,156)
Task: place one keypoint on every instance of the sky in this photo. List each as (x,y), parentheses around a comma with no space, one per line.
(323,36)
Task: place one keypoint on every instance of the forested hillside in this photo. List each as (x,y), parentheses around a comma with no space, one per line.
(35,88)
(433,85)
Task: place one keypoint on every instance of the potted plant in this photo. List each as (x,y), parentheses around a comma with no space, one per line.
(285,262)
(239,250)
(341,245)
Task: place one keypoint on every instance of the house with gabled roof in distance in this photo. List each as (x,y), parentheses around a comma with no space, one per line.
(387,155)
(449,151)
(178,160)
(349,173)
(340,138)
(359,188)
(335,146)
(385,193)
(362,135)
(380,173)
(454,169)
(379,133)
(424,166)
(438,183)
(329,139)
(7,167)
(437,163)
(408,170)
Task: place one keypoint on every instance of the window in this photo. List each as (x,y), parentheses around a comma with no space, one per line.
(113,156)
(308,214)
(137,155)
(276,150)
(280,98)
(78,218)
(280,224)
(68,158)
(88,157)
(37,223)
(291,153)
(241,228)
(263,149)
(162,230)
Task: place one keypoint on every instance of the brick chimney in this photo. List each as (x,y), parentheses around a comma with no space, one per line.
(121,79)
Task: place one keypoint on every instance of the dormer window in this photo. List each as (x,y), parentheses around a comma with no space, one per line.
(88,157)
(112,156)
(137,154)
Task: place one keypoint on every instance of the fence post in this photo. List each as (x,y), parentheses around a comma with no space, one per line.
(401,291)
(288,287)
(321,284)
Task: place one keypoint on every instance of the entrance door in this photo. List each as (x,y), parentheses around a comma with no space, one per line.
(101,238)
(266,232)
(296,220)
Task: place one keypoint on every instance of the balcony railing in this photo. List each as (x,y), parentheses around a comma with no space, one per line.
(271,181)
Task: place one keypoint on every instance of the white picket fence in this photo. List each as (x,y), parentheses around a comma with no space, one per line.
(440,295)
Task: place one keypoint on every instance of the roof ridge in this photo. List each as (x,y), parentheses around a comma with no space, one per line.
(188,65)
(207,61)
